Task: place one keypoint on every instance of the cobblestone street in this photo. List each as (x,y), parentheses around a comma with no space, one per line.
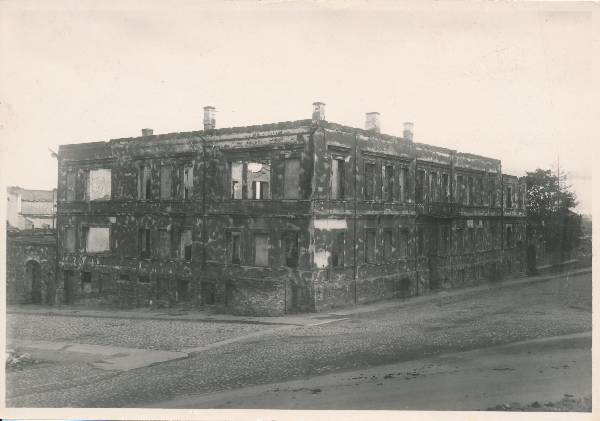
(410,330)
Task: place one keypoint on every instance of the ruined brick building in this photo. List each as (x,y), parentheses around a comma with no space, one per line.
(279,218)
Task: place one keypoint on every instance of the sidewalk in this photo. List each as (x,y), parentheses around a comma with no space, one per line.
(308,319)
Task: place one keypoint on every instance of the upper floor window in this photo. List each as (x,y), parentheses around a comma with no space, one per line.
(234,247)
(188,181)
(492,186)
(404,238)
(479,191)
(460,189)
(69,239)
(388,186)
(420,185)
(433,186)
(445,187)
(185,244)
(95,239)
(369,181)
(470,193)
(99,184)
(388,244)
(144,242)
(70,185)
(166,172)
(291,178)
(509,197)
(404,184)
(250,179)
(145,182)
(337,178)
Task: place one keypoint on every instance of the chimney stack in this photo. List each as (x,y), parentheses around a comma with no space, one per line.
(147,132)
(408,131)
(372,122)
(209,118)
(318,113)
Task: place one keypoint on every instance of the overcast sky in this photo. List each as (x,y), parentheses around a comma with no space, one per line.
(512,82)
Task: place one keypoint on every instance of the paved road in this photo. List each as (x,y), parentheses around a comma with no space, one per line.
(540,371)
(446,324)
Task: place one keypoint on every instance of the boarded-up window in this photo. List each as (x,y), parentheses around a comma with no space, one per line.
(404,183)
(99,184)
(144,242)
(164,244)
(235,247)
(291,249)
(145,182)
(70,186)
(404,237)
(369,181)
(258,176)
(165,181)
(69,239)
(186,244)
(388,187)
(96,239)
(235,176)
(291,179)
(369,246)
(337,251)
(188,181)
(337,178)
(388,244)
(261,250)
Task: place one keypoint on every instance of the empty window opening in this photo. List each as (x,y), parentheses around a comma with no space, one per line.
(291,179)
(388,244)
(188,181)
(144,242)
(492,186)
(460,189)
(337,178)
(99,184)
(369,181)
(388,193)
(419,188)
(370,246)
(235,247)
(95,239)
(145,182)
(509,197)
(480,191)
(433,186)
(259,177)
(291,249)
(166,172)
(404,184)
(70,186)
(509,236)
(261,250)
(81,185)
(185,250)
(445,188)
(236,179)
(337,251)
(86,282)
(69,239)
(470,194)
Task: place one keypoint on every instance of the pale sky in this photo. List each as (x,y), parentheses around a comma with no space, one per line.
(510,81)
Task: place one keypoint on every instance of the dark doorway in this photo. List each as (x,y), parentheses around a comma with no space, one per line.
(531,259)
(69,287)
(208,293)
(33,273)
(183,291)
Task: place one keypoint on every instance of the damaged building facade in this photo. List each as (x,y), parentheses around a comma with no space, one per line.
(280,218)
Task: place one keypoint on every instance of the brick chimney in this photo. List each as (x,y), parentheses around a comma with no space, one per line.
(209,118)
(318,113)
(372,122)
(147,132)
(408,131)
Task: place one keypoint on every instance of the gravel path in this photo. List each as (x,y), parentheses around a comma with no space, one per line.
(446,324)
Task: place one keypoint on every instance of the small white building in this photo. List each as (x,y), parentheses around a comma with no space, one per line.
(28,209)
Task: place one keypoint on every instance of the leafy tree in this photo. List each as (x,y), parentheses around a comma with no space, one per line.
(550,201)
